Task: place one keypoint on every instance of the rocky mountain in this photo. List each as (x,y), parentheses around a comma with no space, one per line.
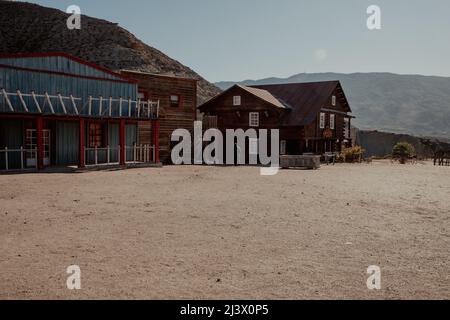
(30,28)
(407,104)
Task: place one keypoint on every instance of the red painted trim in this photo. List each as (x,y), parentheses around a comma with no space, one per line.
(81,149)
(40,142)
(66,118)
(122,142)
(64,55)
(5,66)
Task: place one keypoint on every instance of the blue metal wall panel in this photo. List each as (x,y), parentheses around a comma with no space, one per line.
(67,142)
(26,81)
(113,141)
(130,139)
(11,136)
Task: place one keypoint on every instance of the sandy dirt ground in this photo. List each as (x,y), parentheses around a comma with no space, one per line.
(227,233)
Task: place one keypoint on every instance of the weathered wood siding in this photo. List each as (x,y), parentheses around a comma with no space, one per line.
(237,117)
(157,87)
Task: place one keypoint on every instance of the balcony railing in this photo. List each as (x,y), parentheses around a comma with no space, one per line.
(136,154)
(18,159)
(13,102)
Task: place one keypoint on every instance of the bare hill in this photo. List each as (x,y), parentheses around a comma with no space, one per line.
(30,28)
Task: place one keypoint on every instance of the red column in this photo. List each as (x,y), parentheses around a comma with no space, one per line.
(122,141)
(40,142)
(81,149)
(155,130)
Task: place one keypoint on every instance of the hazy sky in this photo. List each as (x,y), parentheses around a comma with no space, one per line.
(252,39)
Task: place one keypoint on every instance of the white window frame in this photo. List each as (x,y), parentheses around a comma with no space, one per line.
(283,147)
(347,128)
(322,120)
(332,121)
(333,101)
(237,100)
(253,119)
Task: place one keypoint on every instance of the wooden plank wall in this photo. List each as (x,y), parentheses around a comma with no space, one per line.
(158,87)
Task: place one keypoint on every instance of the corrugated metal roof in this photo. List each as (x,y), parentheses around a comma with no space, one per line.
(60,62)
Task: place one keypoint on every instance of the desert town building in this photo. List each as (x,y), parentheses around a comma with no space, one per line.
(58,110)
(312,117)
(177,98)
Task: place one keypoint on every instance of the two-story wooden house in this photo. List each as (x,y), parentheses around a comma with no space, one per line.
(312,117)
(177,98)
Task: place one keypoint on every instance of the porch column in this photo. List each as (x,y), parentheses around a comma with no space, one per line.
(122,142)
(40,142)
(81,149)
(155,130)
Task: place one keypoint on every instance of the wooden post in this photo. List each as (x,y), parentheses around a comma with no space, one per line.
(6,159)
(21,158)
(155,130)
(40,142)
(81,149)
(122,160)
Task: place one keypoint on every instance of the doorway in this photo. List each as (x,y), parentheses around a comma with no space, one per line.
(31,146)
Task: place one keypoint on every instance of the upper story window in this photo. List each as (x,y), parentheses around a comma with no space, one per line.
(332,121)
(236,100)
(254,119)
(322,120)
(333,101)
(142,95)
(175,100)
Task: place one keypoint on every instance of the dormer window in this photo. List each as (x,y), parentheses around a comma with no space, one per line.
(333,101)
(236,100)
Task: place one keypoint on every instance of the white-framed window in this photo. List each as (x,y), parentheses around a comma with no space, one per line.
(332,121)
(283,147)
(236,100)
(346,128)
(254,119)
(253,146)
(333,101)
(175,100)
(322,120)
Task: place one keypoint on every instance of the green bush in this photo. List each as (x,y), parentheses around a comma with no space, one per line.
(353,154)
(403,151)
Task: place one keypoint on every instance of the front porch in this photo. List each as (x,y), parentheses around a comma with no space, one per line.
(38,131)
